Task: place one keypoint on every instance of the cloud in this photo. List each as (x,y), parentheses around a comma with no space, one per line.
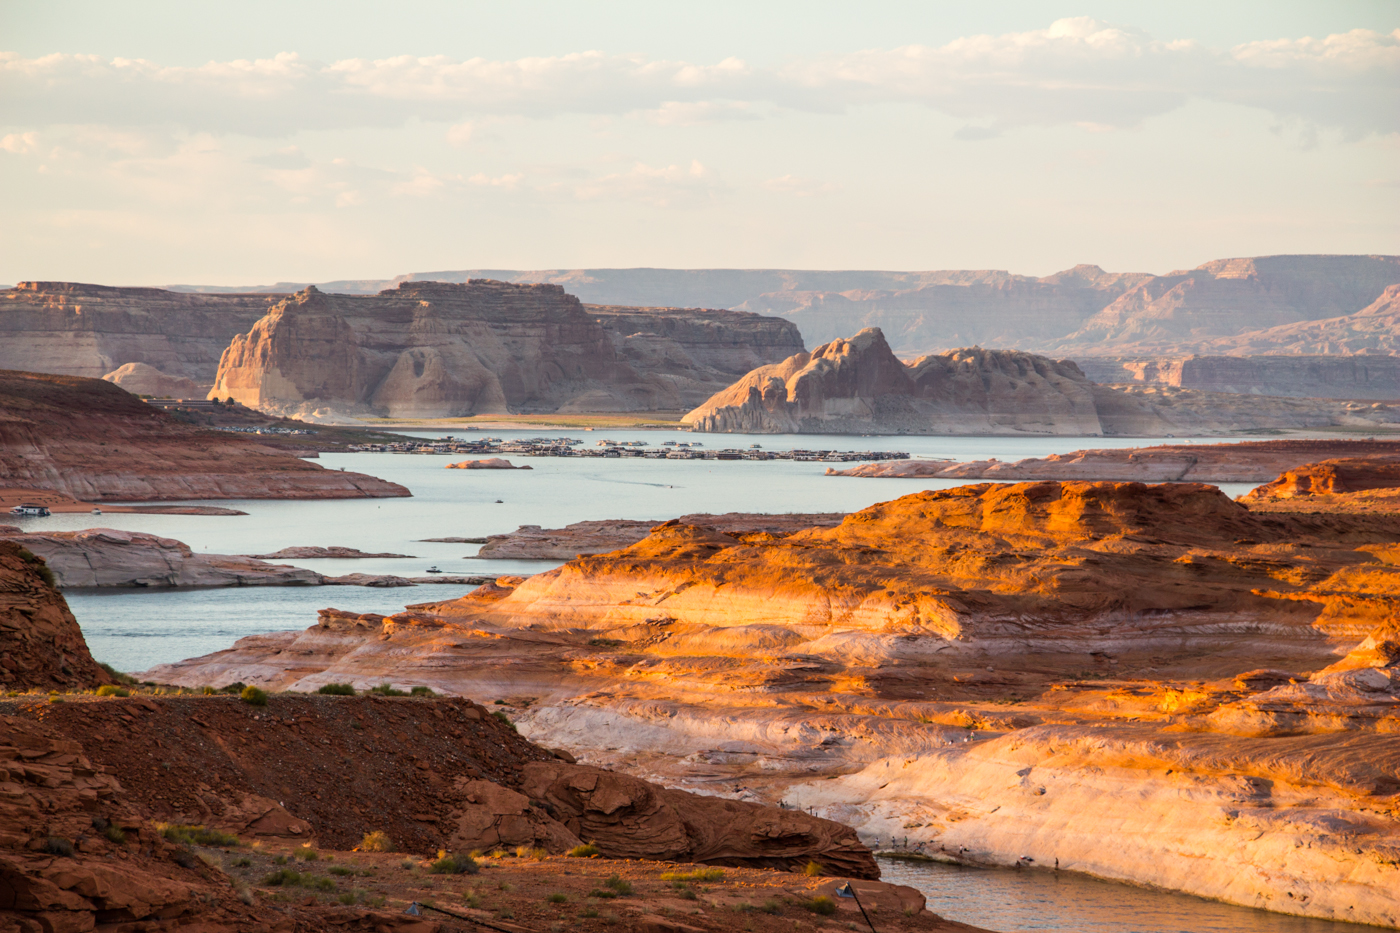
(1077,71)
(799,187)
(19,143)
(657,186)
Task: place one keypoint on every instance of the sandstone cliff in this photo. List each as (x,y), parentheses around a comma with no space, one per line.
(858,386)
(1189,310)
(531,542)
(1248,462)
(143,379)
(89,439)
(91,330)
(436,350)
(1088,672)
(41,646)
(1363,376)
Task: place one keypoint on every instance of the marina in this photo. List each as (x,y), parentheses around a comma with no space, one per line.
(632,449)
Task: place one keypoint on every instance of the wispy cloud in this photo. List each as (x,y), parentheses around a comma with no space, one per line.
(1074,72)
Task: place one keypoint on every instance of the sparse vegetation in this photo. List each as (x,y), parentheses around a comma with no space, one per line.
(284,877)
(376,841)
(253,696)
(619,884)
(336,690)
(587,850)
(821,904)
(813,870)
(503,718)
(459,864)
(387,690)
(112,690)
(342,871)
(306,853)
(421,692)
(196,835)
(588,913)
(57,845)
(771,906)
(117,675)
(699,874)
(114,833)
(558,898)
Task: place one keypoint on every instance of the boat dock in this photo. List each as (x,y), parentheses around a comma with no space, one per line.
(567,447)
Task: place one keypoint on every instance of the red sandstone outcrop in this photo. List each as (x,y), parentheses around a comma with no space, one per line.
(858,386)
(429,349)
(90,439)
(531,542)
(1248,462)
(93,330)
(41,646)
(1353,484)
(489,463)
(1071,671)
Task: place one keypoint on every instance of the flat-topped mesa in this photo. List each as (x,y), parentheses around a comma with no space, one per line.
(859,386)
(91,440)
(92,330)
(432,349)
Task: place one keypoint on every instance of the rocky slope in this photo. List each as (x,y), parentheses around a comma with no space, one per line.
(1347,484)
(41,646)
(858,386)
(92,330)
(1365,376)
(1371,330)
(1248,462)
(435,350)
(531,542)
(89,439)
(1188,310)
(1141,682)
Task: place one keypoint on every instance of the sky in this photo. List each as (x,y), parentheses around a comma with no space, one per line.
(215,143)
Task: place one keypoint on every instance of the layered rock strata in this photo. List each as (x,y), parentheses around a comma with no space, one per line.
(532,542)
(858,386)
(1088,672)
(41,646)
(89,439)
(1353,484)
(1375,329)
(1248,462)
(93,330)
(429,349)
(1365,376)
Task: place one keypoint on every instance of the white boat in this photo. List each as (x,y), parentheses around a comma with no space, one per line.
(433,569)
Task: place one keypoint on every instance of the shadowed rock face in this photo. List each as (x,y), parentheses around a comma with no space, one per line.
(41,646)
(1364,376)
(91,440)
(1139,681)
(860,386)
(428,349)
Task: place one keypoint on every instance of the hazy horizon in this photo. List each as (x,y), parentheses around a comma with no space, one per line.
(155,143)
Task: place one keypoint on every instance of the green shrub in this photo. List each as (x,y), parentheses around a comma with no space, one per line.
(557,898)
(587,850)
(499,702)
(336,690)
(235,688)
(342,871)
(57,845)
(588,912)
(242,863)
(684,891)
(505,719)
(284,878)
(37,562)
(422,692)
(771,906)
(460,864)
(603,893)
(307,854)
(376,841)
(619,884)
(699,874)
(117,675)
(387,690)
(114,833)
(821,904)
(323,884)
(112,690)
(349,898)
(196,835)
(253,696)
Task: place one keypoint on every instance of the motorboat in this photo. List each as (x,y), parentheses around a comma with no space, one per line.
(433,569)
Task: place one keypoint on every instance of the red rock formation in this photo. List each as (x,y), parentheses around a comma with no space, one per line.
(41,646)
(91,440)
(531,542)
(490,463)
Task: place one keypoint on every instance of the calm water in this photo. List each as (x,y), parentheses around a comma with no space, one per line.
(1035,901)
(134,630)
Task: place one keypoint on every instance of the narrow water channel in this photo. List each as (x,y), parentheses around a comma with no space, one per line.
(1033,901)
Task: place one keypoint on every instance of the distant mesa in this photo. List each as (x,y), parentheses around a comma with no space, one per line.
(489,463)
(144,379)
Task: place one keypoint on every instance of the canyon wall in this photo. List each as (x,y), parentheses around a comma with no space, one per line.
(89,439)
(1361,376)
(858,386)
(91,330)
(1144,682)
(429,349)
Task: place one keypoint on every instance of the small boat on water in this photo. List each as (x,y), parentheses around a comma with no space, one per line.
(433,569)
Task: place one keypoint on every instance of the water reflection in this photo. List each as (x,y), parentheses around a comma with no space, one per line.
(1025,901)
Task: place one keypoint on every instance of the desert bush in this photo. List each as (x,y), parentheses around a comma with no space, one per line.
(336,690)
(114,833)
(558,898)
(812,870)
(619,884)
(323,884)
(421,692)
(284,878)
(531,852)
(376,841)
(196,835)
(57,845)
(588,912)
(505,719)
(235,688)
(587,850)
(387,690)
(699,874)
(684,891)
(460,864)
(307,854)
(349,898)
(56,698)
(771,906)
(117,675)
(821,904)
(40,567)
(112,690)
(242,863)
(253,696)
(342,871)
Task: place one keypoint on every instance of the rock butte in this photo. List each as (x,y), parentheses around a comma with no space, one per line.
(429,350)
(1148,683)
(531,542)
(1248,462)
(858,386)
(89,439)
(490,463)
